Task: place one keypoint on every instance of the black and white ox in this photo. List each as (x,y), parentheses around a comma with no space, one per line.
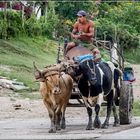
(96,84)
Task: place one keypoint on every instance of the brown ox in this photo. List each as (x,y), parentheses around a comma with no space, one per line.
(55,88)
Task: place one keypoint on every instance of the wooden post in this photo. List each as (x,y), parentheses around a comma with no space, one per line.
(22,15)
(45,9)
(5,19)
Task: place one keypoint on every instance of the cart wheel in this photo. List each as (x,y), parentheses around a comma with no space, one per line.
(126,103)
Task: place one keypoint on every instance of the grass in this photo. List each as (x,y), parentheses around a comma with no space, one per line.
(136,108)
(132,55)
(19,54)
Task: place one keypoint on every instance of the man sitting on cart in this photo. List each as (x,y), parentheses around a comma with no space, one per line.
(83,32)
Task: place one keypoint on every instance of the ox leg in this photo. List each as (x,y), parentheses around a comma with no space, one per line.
(52,117)
(109,108)
(89,112)
(63,122)
(53,122)
(90,125)
(84,89)
(117,73)
(58,118)
(116,118)
(97,122)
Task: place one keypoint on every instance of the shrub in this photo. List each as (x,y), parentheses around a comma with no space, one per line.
(32,27)
(11,24)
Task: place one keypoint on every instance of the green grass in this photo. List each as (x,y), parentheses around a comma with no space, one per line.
(19,54)
(136,108)
(132,55)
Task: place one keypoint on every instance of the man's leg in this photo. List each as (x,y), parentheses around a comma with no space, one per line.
(69,46)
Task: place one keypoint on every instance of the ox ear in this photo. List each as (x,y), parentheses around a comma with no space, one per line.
(37,73)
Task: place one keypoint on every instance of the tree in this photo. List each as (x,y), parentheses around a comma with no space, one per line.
(68,9)
(121,19)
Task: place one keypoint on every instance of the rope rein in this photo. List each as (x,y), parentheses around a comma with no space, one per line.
(92,70)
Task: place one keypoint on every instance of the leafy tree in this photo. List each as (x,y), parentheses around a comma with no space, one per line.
(68,9)
(121,19)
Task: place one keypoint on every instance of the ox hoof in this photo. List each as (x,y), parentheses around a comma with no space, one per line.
(116,124)
(97,124)
(89,128)
(58,128)
(63,126)
(105,126)
(52,131)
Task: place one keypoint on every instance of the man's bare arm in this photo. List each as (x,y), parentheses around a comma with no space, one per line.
(91,31)
(75,30)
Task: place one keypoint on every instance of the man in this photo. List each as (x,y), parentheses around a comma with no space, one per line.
(83,31)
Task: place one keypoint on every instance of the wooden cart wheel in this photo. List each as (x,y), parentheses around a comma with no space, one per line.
(126,102)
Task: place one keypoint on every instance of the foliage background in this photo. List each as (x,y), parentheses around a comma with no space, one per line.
(114,21)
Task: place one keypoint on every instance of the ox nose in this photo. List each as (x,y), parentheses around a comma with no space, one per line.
(56,91)
(93,81)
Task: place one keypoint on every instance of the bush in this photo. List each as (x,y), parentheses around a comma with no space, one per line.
(119,22)
(32,27)
(124,33)
(10,24)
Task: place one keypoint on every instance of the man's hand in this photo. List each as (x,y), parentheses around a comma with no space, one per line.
(75,36)
(83,34)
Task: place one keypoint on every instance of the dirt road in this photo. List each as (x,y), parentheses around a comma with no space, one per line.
(37,128)
(31,121)
(25,118)
(136,84)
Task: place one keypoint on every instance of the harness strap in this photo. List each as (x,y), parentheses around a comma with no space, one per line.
(83,58)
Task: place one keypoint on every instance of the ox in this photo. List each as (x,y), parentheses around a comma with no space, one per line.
(55,88)
(99,84)
(96,83)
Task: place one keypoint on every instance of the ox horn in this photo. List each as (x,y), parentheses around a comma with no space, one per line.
(37,72)
(51,68)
